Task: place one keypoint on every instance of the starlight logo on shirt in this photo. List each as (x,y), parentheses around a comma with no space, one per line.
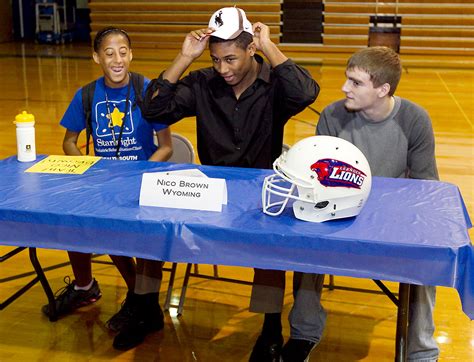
(334,173)
(108,125)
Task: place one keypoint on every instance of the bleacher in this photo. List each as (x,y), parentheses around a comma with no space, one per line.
(163,24)
(427,27)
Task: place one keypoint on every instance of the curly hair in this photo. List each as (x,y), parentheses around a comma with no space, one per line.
(242,41)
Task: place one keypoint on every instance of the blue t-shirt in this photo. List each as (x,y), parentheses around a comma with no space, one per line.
(107,118)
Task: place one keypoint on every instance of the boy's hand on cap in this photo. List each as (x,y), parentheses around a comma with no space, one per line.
(196,42)
(261,35)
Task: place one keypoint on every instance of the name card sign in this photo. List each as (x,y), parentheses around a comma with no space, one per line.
(75,165)
(178,190)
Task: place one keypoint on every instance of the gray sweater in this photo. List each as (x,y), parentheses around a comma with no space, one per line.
(402,145)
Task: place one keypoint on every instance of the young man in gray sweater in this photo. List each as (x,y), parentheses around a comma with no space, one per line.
(397,138)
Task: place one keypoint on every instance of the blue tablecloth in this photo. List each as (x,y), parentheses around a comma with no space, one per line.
(410,231)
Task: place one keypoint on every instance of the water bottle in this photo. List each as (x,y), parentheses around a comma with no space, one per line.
(25,137)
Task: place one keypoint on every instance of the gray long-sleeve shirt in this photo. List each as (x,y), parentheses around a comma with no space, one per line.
(402,145)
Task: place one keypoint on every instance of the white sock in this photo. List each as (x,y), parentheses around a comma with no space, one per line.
(87,287)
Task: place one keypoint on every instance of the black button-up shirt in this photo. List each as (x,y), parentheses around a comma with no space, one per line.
(244,132)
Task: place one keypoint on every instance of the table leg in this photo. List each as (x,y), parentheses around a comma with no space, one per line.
(167,304)
(402,322)
(184,288)
(53,316)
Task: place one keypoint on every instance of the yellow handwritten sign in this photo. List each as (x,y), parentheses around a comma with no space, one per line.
(75,165)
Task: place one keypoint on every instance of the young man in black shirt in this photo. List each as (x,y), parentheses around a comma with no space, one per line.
(241,105)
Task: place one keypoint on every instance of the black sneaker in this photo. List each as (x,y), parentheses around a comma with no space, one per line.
(123,317)
(135,331)
(68,299)
(267,349)
(297,350)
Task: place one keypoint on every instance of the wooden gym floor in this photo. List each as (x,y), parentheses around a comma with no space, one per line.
(216,324)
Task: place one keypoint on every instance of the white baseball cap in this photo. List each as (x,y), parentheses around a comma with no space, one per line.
(229,23)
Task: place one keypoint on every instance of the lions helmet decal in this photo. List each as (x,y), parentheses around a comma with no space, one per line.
(334,173)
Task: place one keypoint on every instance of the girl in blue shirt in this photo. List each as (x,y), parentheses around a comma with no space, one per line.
(119,131)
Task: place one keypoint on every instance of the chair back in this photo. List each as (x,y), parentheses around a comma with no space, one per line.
(183,150)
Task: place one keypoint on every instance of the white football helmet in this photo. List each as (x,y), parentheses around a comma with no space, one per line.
(328,177)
